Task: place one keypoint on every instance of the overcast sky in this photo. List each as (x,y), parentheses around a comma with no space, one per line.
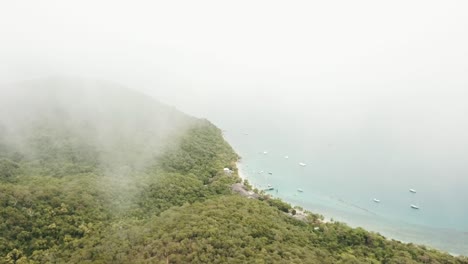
(203,55)
(384,82)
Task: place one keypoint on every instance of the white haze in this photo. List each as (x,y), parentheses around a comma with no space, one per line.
(342,68)
(117,132)
(125,127)
(339,63)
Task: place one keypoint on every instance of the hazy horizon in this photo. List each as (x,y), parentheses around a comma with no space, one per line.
(336,62)
(384,84)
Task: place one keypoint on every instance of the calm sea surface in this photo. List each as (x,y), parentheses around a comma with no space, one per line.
(344,174)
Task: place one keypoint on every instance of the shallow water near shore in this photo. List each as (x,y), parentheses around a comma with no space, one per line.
(341,182)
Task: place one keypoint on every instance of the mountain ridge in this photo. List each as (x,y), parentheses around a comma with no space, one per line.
(93,188)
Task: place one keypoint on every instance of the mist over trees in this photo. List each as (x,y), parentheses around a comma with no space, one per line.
(91,172)
(107,123)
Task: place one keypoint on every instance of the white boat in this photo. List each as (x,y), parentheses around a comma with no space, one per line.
(376,200)
(414,206)
(286,157)
(412,190)
(265,152)
(300,190)
(269,188)
(302,164)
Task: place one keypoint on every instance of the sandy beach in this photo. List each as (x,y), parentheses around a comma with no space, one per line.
(240,172)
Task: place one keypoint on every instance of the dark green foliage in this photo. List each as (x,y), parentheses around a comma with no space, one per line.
(61,206)
(8,170)
(201,152)
(48,212)
(279,204)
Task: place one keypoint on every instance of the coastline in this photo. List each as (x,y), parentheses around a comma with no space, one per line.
(243,176)
(329,218)
(240,172)
(438,239)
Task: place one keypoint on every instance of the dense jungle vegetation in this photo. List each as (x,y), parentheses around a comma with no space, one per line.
(64,204)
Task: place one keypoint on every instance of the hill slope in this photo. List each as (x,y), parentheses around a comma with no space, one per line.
(94,173)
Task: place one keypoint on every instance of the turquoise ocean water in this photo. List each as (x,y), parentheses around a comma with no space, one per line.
(343,176)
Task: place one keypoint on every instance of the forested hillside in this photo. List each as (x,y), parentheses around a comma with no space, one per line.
(134,181)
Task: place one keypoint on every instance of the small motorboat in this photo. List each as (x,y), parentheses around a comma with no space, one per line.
(302,164)
(414,206)
(376,200)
